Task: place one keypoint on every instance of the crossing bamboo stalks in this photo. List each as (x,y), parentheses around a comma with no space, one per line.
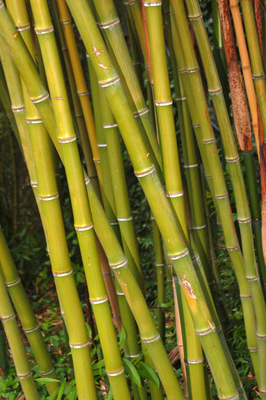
(16,345)
(234,166)
(248,152)
(111,27)
(164,111)
(25,313)
(82,90)
(82,216)
(230,236)
(123,209)
(104,230)
(161,209)
(148,178)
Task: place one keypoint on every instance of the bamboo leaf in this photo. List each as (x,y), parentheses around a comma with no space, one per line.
(99,364)
(132,372)
(122,338)
(150,374)
(47,380)
(54,394)
(60,391)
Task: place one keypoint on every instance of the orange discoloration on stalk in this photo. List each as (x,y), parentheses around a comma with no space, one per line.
(15,35)
(184,282)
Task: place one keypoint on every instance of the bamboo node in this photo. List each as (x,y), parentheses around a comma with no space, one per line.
(199,227)
(215,92)
(83,93)
(233,248)
(48,198)
(154,339)
(109,83)
(65,22)
(196,259)
(13,283)
(195,17)
(99,301)
(191,166)
(181,98)
(79,346)
(4,319)
(113,223)
(109,24)
(67,139)
(110,126)
(120,293)
(23,28)
(121,219)
(245,297)
(34,184)
(43,31)
(119,265)
(244,221)
(235,397)
(2,5)
(261,336)
(206,332)
(83,228)
(25,376)
(101,144)
(192,70)
(159,265)
(235,159)
(209,141)
(96,161)
(34,121)
(179,255)
(141,113)
(145,173)
(163,103)
(182,71)
(176,194)
(32,330)
(196,126)
(153,4)
(41,98)
(221,197)
(131,3)
(132,355)
(87,181)
(198,361)
(62,274)
(121,371)
(18,109)
(253,278)
(48,372)
(258,77)
(152,218)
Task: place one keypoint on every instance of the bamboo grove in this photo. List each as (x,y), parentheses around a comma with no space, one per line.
(63,112)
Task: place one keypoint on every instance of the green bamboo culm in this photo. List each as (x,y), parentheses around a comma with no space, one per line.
(232,157)
(17,348)
(82,216)
(25,314)
(109,80)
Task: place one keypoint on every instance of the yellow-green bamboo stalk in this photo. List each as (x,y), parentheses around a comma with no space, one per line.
(123,209)
(110,25)
(230,236)
(235,171)
(82,90)
(150,181)
(25,313)
(148,177)
(81,210)
(23,370)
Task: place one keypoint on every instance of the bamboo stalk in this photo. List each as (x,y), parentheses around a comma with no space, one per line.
(23,370)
